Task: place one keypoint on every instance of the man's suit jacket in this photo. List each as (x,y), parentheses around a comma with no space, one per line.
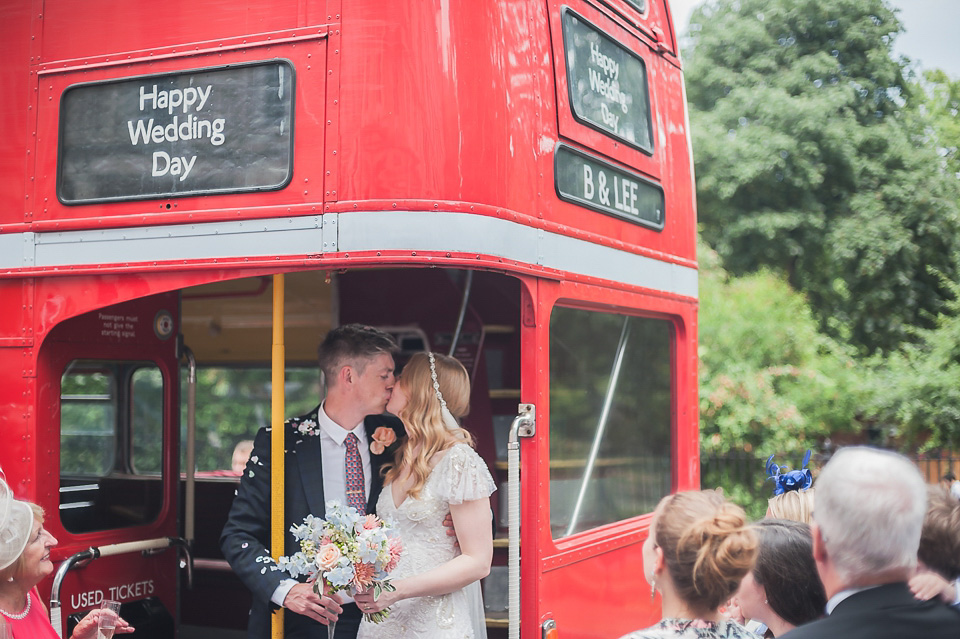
(245,539)
(884,612)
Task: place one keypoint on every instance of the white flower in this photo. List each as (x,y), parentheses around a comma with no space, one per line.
(306,427)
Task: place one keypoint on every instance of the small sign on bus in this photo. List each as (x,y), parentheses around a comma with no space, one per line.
(216,130)
(607,83)
(591,182)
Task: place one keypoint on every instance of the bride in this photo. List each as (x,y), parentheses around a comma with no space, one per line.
(435,472)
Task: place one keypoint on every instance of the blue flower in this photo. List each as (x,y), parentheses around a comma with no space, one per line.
(342,575)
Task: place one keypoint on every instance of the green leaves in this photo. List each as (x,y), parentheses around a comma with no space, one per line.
(809,161)
(770,382)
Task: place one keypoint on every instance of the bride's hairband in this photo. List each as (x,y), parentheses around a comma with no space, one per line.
(448,419)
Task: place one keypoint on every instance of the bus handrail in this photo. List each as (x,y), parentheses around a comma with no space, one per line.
(524,425)
(84,557)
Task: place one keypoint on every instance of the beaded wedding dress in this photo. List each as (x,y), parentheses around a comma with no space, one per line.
(460,476)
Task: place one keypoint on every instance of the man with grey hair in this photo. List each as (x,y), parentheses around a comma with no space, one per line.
(866,530)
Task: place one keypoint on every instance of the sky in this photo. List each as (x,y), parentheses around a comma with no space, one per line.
(930,37)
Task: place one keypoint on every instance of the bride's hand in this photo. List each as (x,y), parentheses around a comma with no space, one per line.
(368,605)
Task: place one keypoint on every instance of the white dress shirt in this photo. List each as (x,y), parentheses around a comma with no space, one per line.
(333,453)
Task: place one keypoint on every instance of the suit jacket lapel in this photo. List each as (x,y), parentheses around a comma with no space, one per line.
(310,463)
(370,424)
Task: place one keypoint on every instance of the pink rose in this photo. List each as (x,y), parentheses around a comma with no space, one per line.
(383,438)
(327,557)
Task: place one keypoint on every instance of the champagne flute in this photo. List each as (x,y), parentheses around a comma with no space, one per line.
(107,624)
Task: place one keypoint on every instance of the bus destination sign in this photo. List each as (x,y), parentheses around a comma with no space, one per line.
(598,185)
(218,130)
(607,83)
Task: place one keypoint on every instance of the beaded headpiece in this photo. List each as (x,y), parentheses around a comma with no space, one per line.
(449,421)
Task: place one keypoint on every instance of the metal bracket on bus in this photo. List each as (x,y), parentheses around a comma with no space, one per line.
(85,557)
(523,425)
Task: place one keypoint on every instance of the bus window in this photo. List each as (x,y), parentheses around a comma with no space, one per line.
(610,417)
(147,423)
(233,403)
(111,416)
(88,417)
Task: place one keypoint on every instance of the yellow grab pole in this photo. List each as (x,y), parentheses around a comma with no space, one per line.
(278,362)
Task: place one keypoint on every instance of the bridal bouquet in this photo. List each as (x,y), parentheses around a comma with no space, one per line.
(347,551)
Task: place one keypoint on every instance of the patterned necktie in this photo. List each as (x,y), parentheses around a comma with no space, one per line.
(354,472)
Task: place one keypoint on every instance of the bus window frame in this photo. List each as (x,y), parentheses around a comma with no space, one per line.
(573,129)
(147,77)
(681,312)
(628,314)
(121,372)
(567,12)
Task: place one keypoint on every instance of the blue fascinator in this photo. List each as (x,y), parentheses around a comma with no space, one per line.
(785,480)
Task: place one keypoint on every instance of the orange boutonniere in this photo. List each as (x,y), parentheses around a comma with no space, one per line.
(383,438)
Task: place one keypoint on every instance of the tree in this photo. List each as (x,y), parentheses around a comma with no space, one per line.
(915,394)
(770,382)
(938,104)
(806,163)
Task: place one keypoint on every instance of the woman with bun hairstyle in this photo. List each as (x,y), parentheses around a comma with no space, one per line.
(698,550)
(783,590)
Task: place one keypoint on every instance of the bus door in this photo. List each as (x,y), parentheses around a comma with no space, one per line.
(606,446)
(109,408)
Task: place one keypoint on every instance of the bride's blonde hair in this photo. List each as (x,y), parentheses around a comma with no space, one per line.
(422,417)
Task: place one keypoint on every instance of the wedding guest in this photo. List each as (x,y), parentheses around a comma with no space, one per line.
(796,505)
(792,491)
(698,551)
(951,484)
(241,455)
(24,561)
(939,553)
(783,590)
(866,531)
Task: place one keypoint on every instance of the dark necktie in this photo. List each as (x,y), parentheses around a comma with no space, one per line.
(354,472)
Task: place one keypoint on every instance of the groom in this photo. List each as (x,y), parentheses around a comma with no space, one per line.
(357,362)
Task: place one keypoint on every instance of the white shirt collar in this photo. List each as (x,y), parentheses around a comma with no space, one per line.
(844,594)
(337,433)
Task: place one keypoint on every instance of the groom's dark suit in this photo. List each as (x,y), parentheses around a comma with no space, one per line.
(246,536)
(885,612)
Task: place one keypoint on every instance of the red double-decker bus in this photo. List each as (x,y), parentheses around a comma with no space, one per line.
(185,181)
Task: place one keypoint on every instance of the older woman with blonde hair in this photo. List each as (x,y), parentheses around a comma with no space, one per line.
(435,472)
(699,549)
(24,561)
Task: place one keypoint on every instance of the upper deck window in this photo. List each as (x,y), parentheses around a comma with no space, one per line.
(219,130)
(607,84)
